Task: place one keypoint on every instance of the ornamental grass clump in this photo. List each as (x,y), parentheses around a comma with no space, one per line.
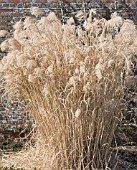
(73,82)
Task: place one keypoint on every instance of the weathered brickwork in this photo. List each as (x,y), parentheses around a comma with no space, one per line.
(13,10)
(14,119)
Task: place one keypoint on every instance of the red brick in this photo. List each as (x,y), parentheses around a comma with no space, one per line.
(16,1)
(17,14)
(41,1)
(49,1)
(3,23)
(7,19)
(6,10)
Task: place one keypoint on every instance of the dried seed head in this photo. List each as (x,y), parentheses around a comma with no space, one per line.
(38,71)
(92,13)
(1,67)
(18,25)
(14,44)
(70,21)
(76,71)
(49,70)
(21,60)
(82,67)
(71,81)
(77,113)
(98,71)
(36,11)
(28,22)
(3,33)
(45,91)
(86,88)
(4,46)
(31,78)
(80,15)
(52,17)
(31,64)
(110,63)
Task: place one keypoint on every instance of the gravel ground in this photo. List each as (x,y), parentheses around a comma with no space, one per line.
(126,158)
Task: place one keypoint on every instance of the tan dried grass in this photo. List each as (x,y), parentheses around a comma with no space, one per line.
(73,82)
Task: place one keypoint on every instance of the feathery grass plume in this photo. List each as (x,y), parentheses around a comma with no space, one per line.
(36,11)
(4,46)
(10,44)
(71,81)
(3,33)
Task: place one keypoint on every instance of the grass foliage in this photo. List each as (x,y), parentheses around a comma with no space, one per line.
(73,81)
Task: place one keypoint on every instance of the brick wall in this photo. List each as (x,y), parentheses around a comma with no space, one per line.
(13,10)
